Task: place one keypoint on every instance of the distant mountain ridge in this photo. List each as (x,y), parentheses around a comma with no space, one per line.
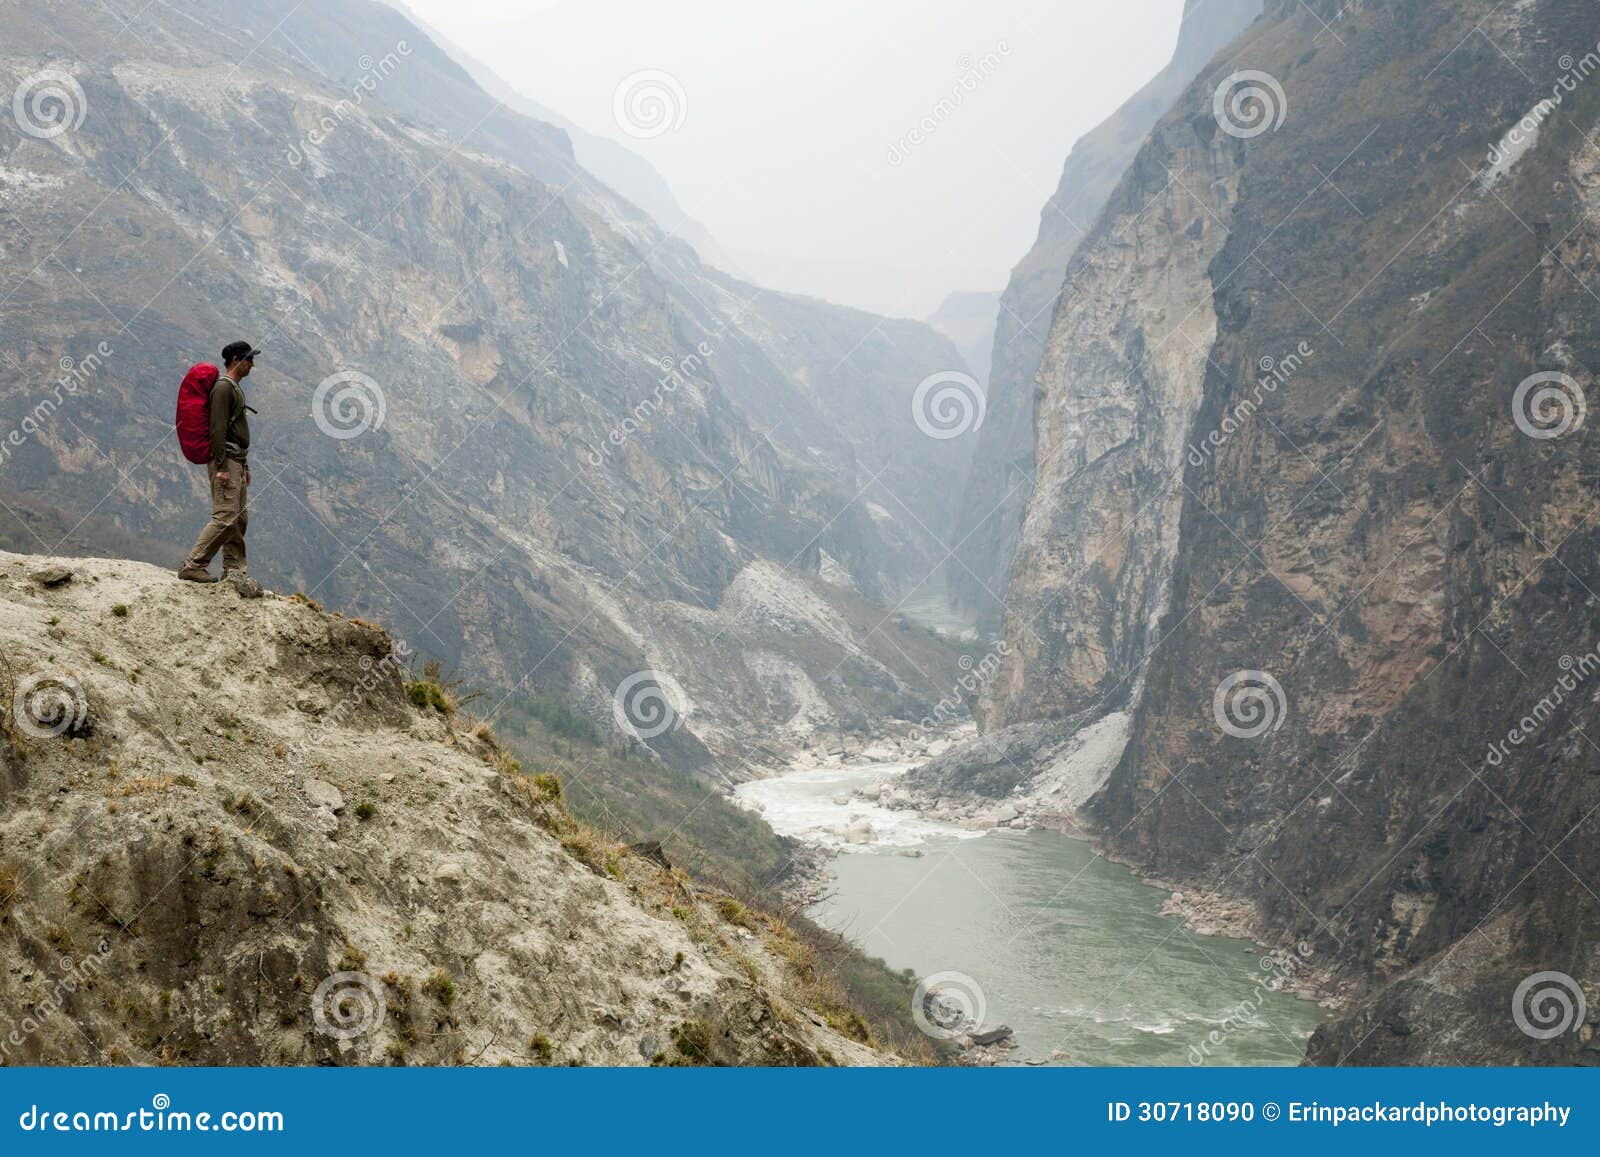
(501,409)
(624,170)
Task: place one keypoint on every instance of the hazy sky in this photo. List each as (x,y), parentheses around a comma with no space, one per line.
(790,113)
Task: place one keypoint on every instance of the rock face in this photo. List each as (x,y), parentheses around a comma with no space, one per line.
(500,408)
(1298,481)
(181,880)
(1002,473)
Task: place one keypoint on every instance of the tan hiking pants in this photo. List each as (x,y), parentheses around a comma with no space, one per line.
(230,516)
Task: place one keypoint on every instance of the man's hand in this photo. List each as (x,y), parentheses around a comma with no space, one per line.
(247,476)
(222,477)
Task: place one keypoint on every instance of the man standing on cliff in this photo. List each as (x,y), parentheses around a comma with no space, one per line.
(229,472)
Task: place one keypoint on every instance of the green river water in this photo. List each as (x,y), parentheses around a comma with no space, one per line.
(1035,931)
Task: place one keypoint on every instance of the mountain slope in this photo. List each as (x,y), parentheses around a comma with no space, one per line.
(500,408)
(230,837)
(1001,476)
(1316,499)
(617,165)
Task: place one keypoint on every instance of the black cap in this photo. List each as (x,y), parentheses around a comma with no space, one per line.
(238,351)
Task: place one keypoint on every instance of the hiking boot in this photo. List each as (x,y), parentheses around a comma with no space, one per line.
(247,587)
(196,574)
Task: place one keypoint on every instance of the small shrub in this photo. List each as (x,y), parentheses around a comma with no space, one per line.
(425,693)
(542,1048)
(353,960)
(366,809)
(693,1039)
(120,611)
(585,844)
(736,913)
(441,987)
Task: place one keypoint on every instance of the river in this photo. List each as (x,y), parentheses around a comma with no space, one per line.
(1033,930)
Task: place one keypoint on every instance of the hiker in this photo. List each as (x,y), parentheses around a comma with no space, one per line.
(228,469)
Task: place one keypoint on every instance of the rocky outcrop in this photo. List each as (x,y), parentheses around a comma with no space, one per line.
(1363,610)
(500,408)
(229,836)
(1119,386)
(1002,472)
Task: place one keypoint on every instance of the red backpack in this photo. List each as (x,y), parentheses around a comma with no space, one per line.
(194,412)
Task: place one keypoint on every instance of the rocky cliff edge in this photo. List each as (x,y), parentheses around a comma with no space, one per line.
(230,835)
